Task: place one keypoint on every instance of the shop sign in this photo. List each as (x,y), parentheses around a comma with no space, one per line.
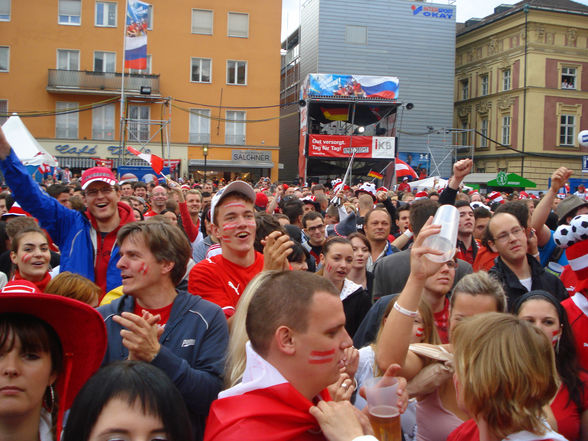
(251,155)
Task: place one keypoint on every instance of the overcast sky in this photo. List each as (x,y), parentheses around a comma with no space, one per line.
(465,9)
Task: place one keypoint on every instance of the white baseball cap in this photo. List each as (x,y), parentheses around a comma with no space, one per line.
(235,186)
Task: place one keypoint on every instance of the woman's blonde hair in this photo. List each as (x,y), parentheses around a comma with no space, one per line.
(74,286)
(506,372)
(236,356)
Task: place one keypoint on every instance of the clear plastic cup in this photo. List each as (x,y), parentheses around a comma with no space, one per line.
(382,406)
(448,217)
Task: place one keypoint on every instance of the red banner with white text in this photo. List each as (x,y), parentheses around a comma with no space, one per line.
(338,146)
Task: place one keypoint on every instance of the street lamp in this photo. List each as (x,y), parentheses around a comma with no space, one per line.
(205,153)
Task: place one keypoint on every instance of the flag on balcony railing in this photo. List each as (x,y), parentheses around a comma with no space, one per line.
(137,23)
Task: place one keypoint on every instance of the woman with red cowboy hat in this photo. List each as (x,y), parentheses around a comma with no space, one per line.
(49,346)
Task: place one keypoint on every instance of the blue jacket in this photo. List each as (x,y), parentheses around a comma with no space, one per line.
(193,347)
(71,230)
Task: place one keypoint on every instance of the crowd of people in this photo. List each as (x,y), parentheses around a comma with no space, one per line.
(236,311)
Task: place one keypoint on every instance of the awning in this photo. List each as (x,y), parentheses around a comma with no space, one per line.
(510,180)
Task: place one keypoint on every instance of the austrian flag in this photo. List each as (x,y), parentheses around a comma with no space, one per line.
(154,161)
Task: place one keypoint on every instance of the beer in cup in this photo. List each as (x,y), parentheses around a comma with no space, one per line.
(382,402)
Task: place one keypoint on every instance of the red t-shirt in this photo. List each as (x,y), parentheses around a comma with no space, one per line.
(468,431)
(567,414)
(221,281)
(579,324)
(163,312)
(442,322)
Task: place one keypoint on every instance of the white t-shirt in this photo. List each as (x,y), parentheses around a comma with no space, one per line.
(527,283)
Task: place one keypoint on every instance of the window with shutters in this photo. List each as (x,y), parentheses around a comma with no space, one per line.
(70,12)
(202,21)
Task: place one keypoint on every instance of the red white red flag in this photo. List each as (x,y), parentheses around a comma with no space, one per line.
(155,161)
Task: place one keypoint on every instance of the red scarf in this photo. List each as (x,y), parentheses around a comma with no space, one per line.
(41,284)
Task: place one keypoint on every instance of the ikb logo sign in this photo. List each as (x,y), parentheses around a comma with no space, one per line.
(383,147)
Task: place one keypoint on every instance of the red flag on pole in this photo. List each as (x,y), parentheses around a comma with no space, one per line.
(403,169)
(155,161)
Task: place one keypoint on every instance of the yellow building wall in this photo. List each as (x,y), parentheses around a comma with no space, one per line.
(498,45)
(34,35)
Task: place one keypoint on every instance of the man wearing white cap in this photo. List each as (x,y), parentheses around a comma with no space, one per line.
(87,241)
(222,279)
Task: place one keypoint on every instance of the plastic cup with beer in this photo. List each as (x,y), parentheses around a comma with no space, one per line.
(448,217)
(382,402)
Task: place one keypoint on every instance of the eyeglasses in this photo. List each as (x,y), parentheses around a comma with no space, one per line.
(316,228)
(104,190)
(503,237)
(451,264)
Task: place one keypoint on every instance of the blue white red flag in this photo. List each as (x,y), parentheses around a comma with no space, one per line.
(136,34)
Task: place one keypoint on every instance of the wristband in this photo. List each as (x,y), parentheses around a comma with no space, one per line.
(408,234)
(536,255)
(404,311)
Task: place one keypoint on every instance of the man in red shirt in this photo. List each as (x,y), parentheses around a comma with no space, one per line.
(296,349)
(466,244)
(403,186)
(222,279)
(158,201)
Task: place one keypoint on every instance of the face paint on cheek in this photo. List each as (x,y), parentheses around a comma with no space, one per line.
(554,337)
(250,223)
(26,258)
(144,268)
(320,357)
(228,226)
(329,268)
(420,332)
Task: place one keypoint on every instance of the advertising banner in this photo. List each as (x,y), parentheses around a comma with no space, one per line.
(137,22)
(420,162)
(337,146)
(364,86)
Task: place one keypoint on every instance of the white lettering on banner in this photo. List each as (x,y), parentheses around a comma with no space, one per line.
(383,147)
(350,150)
(251,155)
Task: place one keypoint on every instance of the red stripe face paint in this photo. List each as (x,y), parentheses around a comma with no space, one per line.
(26,258)
(235,204)
(554,337)
(420,332)
(144,268)
(229,226)
(320,357)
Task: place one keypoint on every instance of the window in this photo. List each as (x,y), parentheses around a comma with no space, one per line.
(237,72)
(66,124)
(464,133)
(505,130)
(103,122)
(104,61)
(106,14)
(235,127)
(68,59)
(70,12)
(506,79)
(199,126)
(484,85)
(484,131)
(201,70)
(465,89)
(567,128)
(5,10)
(146,71)
(138,123)
(3,110)
(4,58)
(356,34)
(238,25)
(568,77)
(202,21)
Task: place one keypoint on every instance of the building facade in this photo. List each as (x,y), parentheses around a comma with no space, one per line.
(209,96)
(521,79)
(411,40)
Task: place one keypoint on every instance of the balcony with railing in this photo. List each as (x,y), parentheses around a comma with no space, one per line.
(100,83)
